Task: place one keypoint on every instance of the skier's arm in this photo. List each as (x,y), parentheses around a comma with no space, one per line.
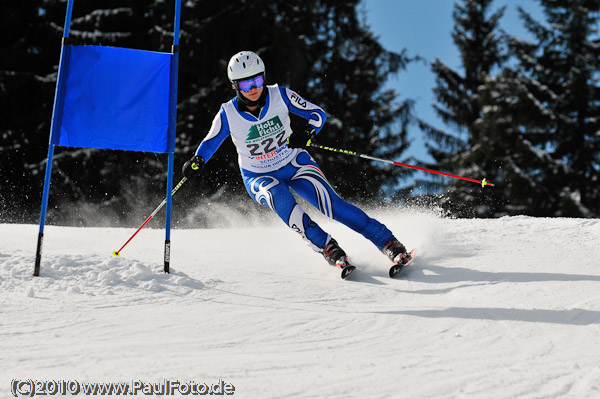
(218,132)
(297,105)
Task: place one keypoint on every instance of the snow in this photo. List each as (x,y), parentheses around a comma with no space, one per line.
(497,308)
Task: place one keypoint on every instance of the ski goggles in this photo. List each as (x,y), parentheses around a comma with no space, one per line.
(248,84)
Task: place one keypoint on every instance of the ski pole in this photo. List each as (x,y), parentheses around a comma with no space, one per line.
(482,182)
(158,208)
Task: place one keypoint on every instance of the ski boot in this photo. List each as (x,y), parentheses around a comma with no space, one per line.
(396,252)
(335,256)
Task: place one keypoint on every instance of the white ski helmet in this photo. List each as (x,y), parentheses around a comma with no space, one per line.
(244,65)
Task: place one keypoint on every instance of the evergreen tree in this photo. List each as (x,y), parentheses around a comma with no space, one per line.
(558,80)
(27,81)
(464,149)
(348,81)
(318,48)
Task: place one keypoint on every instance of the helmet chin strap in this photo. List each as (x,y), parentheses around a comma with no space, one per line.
(250,103)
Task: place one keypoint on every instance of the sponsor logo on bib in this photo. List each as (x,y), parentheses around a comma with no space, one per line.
(264,129)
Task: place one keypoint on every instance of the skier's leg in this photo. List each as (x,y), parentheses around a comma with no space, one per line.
(310,183)
(275,195)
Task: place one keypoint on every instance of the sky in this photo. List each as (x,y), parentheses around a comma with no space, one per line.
(424,28)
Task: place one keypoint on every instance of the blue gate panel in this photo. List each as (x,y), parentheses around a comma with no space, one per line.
(116,98)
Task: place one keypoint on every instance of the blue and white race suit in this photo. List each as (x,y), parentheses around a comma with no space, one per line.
(270,168)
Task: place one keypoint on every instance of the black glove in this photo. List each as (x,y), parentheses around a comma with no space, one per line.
(193,167)
(300,140)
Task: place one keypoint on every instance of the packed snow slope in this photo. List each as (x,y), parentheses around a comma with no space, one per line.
(502,308)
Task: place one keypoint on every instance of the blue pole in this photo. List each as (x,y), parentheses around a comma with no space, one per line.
(68,18)
(168,219)
(172,131)
(54,126)
(177,22)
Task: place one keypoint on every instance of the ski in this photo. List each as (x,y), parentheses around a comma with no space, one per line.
(347,270)
(394,270)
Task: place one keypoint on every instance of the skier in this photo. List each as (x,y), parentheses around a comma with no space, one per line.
(272,160)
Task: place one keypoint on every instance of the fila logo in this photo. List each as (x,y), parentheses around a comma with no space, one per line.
(299,100)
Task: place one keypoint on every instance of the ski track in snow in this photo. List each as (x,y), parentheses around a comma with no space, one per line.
(499,308)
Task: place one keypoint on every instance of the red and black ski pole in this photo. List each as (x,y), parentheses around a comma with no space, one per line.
(356,154)
(158,208)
